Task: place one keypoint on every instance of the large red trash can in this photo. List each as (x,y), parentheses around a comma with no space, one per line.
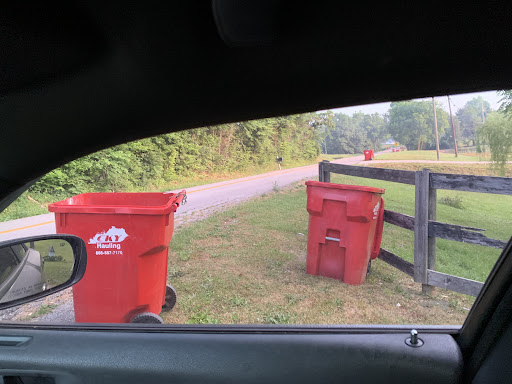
(368,155)
(127,237)
(345,230)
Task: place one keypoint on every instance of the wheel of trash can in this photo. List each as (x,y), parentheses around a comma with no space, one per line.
(369,268)
(147,318)
(170,298)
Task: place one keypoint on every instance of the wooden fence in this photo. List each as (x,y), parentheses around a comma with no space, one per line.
(426,228)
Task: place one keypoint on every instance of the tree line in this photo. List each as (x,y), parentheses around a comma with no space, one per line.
(155,162)
(411,123)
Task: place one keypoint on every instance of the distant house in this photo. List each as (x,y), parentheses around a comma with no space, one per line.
(388,143)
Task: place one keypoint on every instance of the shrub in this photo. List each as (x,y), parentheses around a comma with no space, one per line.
(452,201)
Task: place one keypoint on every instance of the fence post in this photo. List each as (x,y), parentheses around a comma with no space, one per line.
(421,226)
(323,175)
(431,253)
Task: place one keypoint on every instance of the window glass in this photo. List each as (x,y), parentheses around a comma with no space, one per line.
(19,250)
(255,239)
(8,261)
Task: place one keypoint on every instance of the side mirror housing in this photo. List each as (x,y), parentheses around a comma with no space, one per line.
(35,267)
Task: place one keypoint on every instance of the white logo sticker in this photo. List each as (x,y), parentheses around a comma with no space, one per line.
(110,239)
(376,210)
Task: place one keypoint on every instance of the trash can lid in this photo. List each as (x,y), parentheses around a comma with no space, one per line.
(149,203)
(360,188)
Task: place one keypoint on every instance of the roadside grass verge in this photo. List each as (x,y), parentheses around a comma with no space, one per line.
(331,157)
(247,265)
(431,155)
(59,271)
(32,204)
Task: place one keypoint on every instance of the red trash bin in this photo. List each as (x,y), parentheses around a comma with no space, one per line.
(127,237)
(368,155)
(345,230)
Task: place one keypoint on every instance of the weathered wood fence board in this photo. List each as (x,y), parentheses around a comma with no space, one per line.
(426,228)
(446,231)
(454,283)
(323,174)
(431,249)
(397,262)
(421,226)
(399,219)
(457,233)
(470,183)
(398,176)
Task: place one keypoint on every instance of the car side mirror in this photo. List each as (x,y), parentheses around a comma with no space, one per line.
(34,267)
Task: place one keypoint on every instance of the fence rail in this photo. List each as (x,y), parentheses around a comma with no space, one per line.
(424,224)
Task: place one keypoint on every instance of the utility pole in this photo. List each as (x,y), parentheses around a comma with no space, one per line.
(453,128)
(483,115)
(435,124)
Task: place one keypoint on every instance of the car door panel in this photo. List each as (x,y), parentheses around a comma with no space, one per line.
(197,356)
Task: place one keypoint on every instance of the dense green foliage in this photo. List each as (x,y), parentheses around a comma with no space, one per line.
(471,116)
(497,133)
(355,134)
(412,123)
(154,162)
(506,101)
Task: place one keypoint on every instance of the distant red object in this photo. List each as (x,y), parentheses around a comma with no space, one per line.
(368,155)
(345,230)
(127,236)
(396,149)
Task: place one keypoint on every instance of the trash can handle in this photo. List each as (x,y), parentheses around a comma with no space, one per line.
(378,231)
(181,198)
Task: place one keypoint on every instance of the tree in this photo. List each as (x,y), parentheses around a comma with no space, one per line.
(470,117)
(323,123)
(446,141)
(376,128)
(506,101)
(497,133)
(347,136)
(412,123)
(154,162)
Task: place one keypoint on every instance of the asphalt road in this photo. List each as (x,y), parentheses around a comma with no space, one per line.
(202,201)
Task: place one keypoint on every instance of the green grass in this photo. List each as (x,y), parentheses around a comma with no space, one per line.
(330,157)
(24,207)
(487,211)
(57,272)
(247,265)
(430,155)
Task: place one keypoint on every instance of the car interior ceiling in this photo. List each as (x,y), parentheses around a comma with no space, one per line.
(79,77)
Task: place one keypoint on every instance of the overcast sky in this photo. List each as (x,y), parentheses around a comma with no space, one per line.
(458,101)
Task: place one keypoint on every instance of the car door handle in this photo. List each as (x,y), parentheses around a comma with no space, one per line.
(14,341)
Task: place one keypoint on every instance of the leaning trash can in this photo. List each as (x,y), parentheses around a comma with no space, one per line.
(127,237)
(345,230)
